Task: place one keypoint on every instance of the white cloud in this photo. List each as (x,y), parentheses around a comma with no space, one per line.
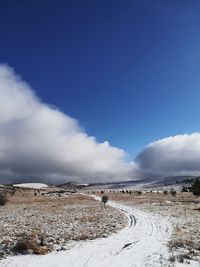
(40,143)
(176,155)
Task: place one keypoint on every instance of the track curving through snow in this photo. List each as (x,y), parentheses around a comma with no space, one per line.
(143,242)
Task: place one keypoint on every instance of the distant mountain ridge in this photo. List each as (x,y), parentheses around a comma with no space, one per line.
(163,181)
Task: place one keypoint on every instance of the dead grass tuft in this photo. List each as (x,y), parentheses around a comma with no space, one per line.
(28,244)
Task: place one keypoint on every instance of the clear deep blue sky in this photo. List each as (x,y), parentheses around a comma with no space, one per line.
(129,71)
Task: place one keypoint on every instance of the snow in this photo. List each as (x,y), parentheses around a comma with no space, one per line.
(191,264)
(143,242)
(32,185)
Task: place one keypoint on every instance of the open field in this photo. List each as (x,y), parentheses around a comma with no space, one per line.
(49,222)
(182,210)
(161,228)
(143,242)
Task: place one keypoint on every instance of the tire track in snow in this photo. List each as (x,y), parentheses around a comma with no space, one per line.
(141,243)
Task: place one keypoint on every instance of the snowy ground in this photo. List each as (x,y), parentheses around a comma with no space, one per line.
(32,185)
(185,240)
(143,242)
(183,211)
(58,220)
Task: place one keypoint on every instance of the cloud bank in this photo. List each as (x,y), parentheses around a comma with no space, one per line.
(172,156)
(40,143)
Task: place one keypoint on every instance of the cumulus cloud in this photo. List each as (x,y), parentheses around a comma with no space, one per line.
(176,155)
(40,143)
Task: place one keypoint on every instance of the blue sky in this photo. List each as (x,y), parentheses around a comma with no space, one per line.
(128,71)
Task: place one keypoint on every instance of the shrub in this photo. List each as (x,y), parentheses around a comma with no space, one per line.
(196,188)
(172,192)
(104,199)
(29,244)
(165,193)
(21,246)
(3,199)
(172,259)
(185,189)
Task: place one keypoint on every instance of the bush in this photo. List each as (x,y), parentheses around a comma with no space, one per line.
(3,199)
(28,244)
(165,193)
(172,192)
(22,246)
(196,188)
(185,189)
(104,199)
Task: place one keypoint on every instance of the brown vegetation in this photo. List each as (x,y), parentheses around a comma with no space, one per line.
(57,219)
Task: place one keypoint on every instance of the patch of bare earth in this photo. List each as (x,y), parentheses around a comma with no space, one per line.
(42,223)
(183,210)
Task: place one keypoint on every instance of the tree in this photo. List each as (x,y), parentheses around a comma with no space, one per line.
(165,193)
(185,189)
(196,188)
(104,199)
(172,192)
(3,199)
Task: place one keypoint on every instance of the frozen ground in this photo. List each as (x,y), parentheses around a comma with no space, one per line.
(143,242)
(183,211)
(185,240)
(58,220)
(32,185)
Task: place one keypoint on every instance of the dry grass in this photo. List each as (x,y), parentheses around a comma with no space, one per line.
(58,219)
(28,198)
(153,197)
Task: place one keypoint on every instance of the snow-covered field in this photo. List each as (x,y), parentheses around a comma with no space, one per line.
(59,220)
(143,242)
(162,231)
(183,211)
(185,240)
(32,185)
